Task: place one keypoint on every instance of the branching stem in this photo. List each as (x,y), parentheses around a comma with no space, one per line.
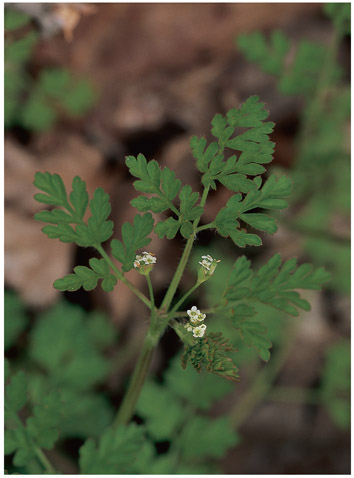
(120,276)
(184,259)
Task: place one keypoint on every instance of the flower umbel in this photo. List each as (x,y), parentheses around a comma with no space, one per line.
(195,315)
(208,267)
(194,325)
(145,262)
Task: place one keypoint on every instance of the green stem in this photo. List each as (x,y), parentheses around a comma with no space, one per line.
(127,408)
(211,225)
(294,394)
(184,259)
(152,301)
(185,297)
(48,467)
(120,276)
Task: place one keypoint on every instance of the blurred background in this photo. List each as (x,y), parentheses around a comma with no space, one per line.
(88,84)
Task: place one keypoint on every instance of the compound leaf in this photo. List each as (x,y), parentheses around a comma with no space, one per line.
(211,353)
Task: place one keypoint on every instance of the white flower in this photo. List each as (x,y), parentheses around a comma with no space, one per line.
(199,331)
(143,263)
(193,312)
(208,267)
(188,327)
(195,315)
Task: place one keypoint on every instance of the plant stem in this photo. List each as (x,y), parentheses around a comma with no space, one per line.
(120,276)
(211,225)
(48,467)
(294,394)
(152,300)
(185,297)
(184,259)
(127,408)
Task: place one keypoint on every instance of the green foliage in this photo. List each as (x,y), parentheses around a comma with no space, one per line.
(161,409)
(340,15)
(170,412)
(254,145)
(202,437)
(87,277)
(115,453)
(302,76)
(335,386)
(66,347)
(163,184)
(66,354)
(15,318)
(40,429)
(37,103)
(97,229)
(271,196)
(211,353)
(134,237)
(14,19)
(274,284)
(200,390)
(270,56)
(321,170)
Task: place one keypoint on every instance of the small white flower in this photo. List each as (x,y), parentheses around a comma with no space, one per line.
(137,261)
(209,265)
(143,263)
(188,327)
(193,313)
(199,331)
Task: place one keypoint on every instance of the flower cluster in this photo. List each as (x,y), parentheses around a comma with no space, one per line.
(195,324)
(208,267)
(144,263)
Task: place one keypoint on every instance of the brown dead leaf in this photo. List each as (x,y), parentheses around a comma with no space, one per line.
(68,16)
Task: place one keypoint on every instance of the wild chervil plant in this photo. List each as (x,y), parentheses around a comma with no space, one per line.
(244,131)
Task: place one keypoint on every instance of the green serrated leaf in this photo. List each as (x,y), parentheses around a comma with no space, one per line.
(202,437)
(115,453)
(187,229)
(168,228)
(134,237)
(43,425)
(254,335)
(162,411)
(62,344)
